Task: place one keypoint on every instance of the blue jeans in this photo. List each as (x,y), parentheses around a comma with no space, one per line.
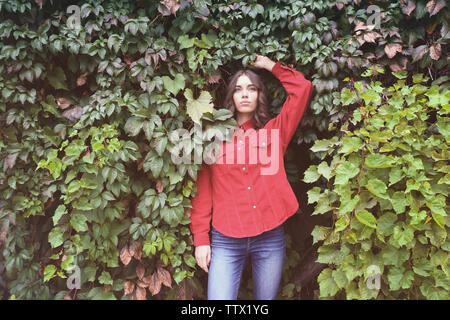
(228,257)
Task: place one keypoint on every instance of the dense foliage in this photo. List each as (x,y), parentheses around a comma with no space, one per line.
(388,190)
(93,93)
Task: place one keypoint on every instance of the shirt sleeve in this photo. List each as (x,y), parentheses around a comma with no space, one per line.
(201,207)
(299,92)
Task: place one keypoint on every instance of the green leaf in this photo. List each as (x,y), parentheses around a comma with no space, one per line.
(399,201)
(398,278)
(196,108)
(311,174)
(328,287)
(49,272)
(341,224)
(386,223)
(377,187)
(59,212)
(401,74)
(347,96)
(57,78)
(344,172)
(105,278)
(379,161)
(78,222)
(174,86)
(350,144)
(185,42)
(365,217)
(134,125)
(55,237)
(313,195)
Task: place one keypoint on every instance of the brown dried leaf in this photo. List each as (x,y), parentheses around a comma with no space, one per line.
(63,103)
(397,68)
(141,294)
(140,271)
(10,160)
(165,277)
(187,212)
(409,7)
(434,8)
(136,250)
(73,114)
(128,287)
(215,78)
(371,36)
(154,284)
(360,26)
(125,255)
(172,5)
(82,79)
(392,49)
(128,59)
(435,51)
(159,186)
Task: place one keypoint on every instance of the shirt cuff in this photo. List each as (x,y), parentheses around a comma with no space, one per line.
(276,67)
(201,239)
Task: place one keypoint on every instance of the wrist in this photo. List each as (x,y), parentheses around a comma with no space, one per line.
(270,65)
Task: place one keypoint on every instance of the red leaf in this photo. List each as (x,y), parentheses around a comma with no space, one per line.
(435,51)
(63,103)
(125,256)
(165,277)
(10,160)
(154,284)
(140,271)
(159,186)
(73,114)
(409,8)
(136,250)
(82,79)
(128,287)
(172,5)
(392,49)
(434,8)
(141,294)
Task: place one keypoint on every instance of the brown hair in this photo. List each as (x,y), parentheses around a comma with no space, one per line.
(261,115)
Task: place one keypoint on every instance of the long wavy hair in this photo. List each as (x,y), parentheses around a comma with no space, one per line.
(262,114)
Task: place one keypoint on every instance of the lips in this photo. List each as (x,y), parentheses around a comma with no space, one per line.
(245,102)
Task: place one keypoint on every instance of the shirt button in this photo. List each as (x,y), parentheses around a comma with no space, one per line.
(249,188)
(239,149)
(243,168)
(254,207)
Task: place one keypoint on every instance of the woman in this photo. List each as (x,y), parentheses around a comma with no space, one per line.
(248,205)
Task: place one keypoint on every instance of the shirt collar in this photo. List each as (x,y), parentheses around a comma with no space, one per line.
(247,125)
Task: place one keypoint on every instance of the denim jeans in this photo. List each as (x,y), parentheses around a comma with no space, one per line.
(228,257)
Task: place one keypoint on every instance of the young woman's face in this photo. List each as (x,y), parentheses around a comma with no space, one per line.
(245,95)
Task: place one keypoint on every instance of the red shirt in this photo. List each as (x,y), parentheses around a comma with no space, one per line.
(246,191)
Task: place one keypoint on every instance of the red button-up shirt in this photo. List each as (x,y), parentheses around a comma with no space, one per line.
(246,191)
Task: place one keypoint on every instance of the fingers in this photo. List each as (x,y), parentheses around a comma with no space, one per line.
(203,257)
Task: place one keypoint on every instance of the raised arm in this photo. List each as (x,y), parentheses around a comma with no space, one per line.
(299,92)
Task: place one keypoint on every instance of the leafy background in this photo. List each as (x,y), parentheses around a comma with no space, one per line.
(87,117)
